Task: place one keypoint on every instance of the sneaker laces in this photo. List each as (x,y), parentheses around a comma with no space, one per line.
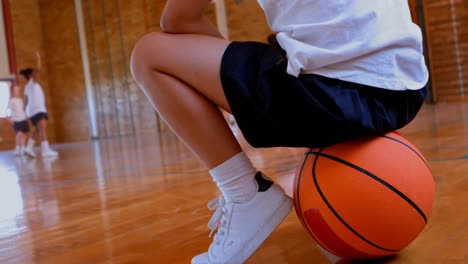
(217,221)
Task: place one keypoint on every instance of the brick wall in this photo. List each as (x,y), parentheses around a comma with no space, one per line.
(66,83)
(7,136)
(447,32)
(113,27)
(246,21)
(28,38)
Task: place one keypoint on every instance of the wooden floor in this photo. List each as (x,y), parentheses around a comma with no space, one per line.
(143,200)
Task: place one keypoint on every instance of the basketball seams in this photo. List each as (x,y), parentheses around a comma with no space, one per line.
(318,161)
(320,154)
(297,192)
(412,149)
(374,177)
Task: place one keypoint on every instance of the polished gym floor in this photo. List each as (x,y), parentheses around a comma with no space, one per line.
(143,200)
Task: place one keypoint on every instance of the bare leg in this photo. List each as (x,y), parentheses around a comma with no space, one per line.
(20,139)
(45,148)
(35,134)
(180,76)
(42,130)
(29,150)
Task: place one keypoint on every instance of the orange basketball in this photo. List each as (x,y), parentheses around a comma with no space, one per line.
(366,198)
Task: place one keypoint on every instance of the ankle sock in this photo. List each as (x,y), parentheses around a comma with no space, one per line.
(31,144)
(236,178)
(44,146)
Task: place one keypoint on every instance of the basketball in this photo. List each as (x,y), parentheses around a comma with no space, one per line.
(367,198)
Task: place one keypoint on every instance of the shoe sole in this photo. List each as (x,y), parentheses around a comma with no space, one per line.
(264,232)
(30,155)
(49,155)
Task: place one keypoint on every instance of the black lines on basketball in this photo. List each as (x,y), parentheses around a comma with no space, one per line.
(298,200)
(320,154)
(297,191)
(366,198)
(408,146)
(374,177)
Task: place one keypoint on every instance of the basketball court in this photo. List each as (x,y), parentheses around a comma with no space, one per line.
(125,189)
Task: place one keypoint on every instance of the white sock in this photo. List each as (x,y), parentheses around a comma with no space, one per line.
(31,144)
(21,150)
(236,178)
(18,149)
(44,145)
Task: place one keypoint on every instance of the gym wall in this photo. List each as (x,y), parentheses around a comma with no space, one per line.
(27,32)
(446,23)
(113,27)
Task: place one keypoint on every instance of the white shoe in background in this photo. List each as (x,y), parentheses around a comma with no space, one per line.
(49,153)
(29,153)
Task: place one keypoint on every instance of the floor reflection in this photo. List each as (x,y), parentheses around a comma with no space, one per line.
(121,200)
(11,202)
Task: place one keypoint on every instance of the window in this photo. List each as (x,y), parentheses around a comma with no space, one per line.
(4,98)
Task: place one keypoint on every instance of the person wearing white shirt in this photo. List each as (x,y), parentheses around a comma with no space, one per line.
(341,70)
(20,122)
(36,109)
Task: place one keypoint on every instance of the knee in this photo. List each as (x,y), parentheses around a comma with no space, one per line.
(42,126)
(143,52)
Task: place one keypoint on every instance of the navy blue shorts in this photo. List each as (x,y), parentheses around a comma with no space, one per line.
(273,108)
(22,126)
(38,117)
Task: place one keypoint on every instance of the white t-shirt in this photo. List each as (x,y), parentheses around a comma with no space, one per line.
(16,107)
(371,42)
(36,99)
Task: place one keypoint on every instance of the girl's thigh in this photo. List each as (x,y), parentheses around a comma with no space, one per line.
(193,59)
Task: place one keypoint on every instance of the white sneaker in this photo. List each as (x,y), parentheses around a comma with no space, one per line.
(29,153)
(49,153)
(242,227)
